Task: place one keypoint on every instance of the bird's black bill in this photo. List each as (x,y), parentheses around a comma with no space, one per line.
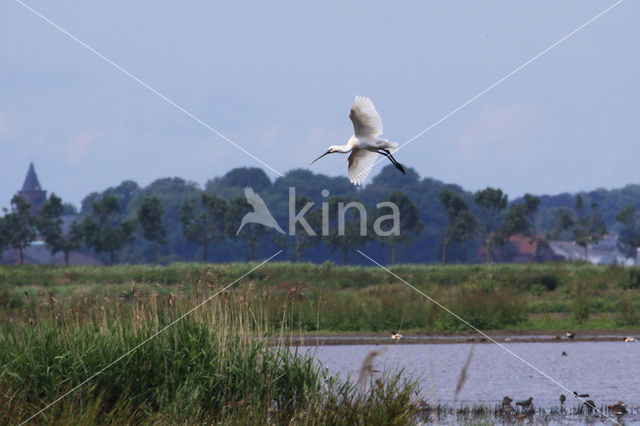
(328,152)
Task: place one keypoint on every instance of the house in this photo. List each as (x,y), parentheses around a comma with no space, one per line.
(605,252)
(523,250)
(518,249)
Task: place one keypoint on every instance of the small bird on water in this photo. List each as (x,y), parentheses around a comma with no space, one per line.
(506,405)
(590,405)
(581,395)
(527,407)
(396,336)
(365,143)
(570,335)
(525,403)
(619,408)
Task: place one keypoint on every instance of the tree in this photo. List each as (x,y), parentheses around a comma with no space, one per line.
(123,193)
(104,231)
(350,226)
(19,225)
(150,213)
(171,192)
(586,226)
(50,225)
(4,235)
(492,202)
(390,178)
(521,218)
(204,224)
(250,233)
(629,239)
(302,240)
(410,225)
(460,222)
(232,184)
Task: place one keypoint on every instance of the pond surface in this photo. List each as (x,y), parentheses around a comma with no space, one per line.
(607,371)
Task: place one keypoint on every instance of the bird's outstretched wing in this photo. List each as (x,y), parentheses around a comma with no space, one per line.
(365,118)
(360,164)
(255,200)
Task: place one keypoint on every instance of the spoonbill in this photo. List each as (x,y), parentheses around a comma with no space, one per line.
(365,142)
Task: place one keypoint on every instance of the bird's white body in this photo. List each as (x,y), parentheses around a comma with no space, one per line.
(366,143)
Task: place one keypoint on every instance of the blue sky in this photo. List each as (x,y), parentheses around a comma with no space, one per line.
(278,79)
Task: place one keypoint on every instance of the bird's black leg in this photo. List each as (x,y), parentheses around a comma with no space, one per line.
(387,154)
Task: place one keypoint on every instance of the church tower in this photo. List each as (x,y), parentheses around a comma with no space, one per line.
(32,192)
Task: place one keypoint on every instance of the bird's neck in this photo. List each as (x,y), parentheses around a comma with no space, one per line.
(349,146)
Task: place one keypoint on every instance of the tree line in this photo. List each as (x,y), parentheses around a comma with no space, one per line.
(175,220)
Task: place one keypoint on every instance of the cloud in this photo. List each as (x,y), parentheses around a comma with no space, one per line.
(76,147)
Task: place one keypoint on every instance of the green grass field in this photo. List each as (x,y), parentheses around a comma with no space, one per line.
(221,363)
(336,298)
(218,364)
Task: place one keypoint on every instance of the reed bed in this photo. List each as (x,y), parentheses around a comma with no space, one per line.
(229,361)
(217,365)
(550,297)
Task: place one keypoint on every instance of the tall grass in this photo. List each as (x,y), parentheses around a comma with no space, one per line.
(331,298)
(214,366)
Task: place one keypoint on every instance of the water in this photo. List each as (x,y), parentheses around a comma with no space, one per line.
(607,371)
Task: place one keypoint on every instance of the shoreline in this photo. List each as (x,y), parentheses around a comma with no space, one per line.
(354,338)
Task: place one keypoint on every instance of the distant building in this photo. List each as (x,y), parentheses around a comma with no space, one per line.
(518,249)
(32,192)
(605,252)
(37,253)
(524,250)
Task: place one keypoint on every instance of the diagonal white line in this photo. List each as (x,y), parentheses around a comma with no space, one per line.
(506,77)
(449,311)
(146,340)
(143,84)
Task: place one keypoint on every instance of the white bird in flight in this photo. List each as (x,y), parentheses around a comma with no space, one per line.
(365,142)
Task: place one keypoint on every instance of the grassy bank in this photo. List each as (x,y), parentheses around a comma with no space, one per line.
(213,366)
(229,362)
(334,298)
